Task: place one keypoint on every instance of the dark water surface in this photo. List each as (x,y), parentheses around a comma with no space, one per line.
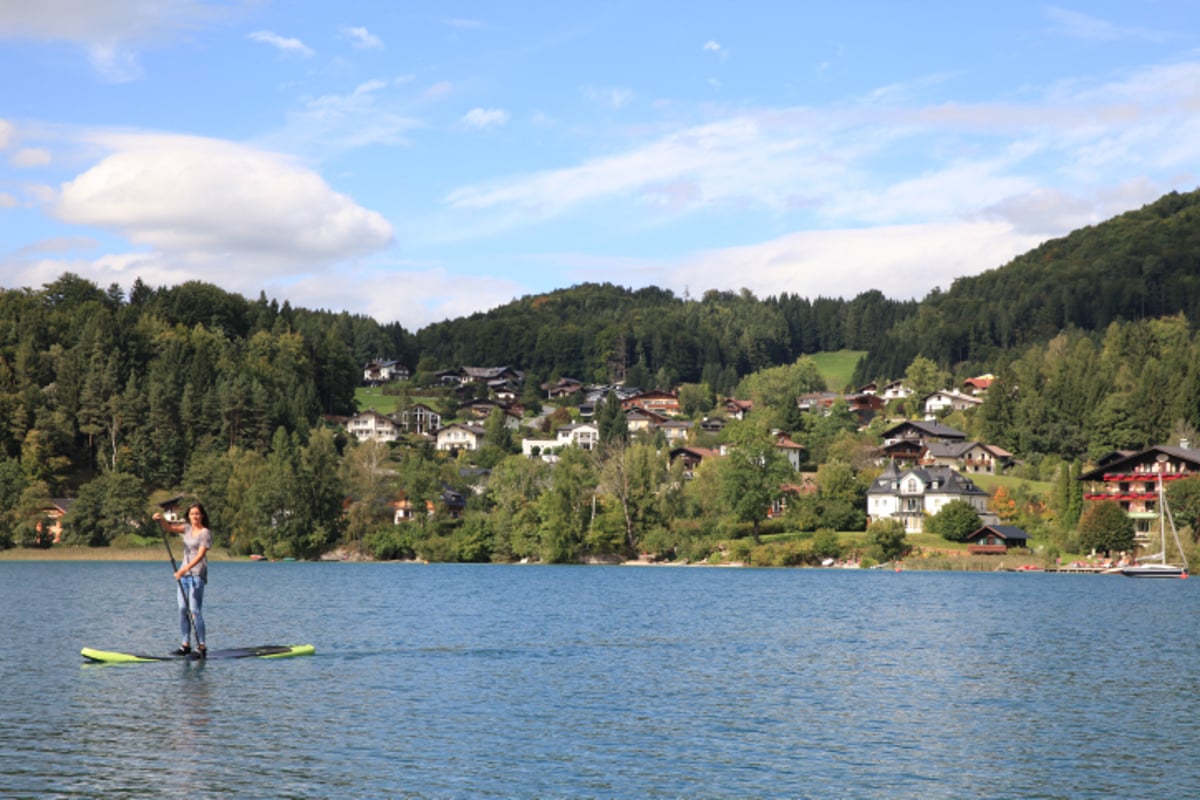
(602,682)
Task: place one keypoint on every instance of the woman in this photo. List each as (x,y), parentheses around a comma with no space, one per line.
(192,575)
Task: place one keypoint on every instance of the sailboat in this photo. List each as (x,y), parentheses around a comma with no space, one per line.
(1156,566)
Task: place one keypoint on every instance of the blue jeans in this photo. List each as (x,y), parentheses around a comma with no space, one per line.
(195,603)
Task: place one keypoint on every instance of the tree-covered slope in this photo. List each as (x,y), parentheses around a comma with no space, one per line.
(1140,265)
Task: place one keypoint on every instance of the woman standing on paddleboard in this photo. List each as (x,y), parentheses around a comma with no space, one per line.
(192,574)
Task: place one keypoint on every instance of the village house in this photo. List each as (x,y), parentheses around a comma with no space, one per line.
(691,458)
(896,390)
(654,401)
(640,419)
(675,431)
(1134,481)
(792,451)
(418,418)
(979,384)
(376,373)
(948,400)
(908,440)
(563,387)
(912,493)
(967,457)
(737,409)
(459,436)
(370,425)
(585,435)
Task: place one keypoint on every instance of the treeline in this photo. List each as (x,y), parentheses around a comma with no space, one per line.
(601,333)
(1140,265)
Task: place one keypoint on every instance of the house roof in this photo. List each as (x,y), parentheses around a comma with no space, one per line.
(933,430)
(1009,533)
(949,449)
(948,481)
(1180,455)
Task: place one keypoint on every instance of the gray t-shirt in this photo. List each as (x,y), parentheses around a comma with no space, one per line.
(193,540)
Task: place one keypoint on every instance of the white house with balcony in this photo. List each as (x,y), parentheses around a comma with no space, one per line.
(910,494)
(459,436)
(370,425)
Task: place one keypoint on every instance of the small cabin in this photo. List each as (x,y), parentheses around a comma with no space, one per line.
(996,540)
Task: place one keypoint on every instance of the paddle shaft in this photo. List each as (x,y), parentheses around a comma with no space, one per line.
(187,605)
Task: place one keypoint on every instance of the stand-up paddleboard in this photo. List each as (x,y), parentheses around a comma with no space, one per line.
(262,651)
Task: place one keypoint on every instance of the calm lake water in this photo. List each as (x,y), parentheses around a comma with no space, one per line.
(602,682)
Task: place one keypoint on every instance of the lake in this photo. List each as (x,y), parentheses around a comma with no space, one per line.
(487,681)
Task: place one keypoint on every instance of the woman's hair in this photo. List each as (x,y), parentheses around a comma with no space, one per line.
(203,513)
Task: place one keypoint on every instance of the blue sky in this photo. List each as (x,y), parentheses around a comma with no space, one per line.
(421,161)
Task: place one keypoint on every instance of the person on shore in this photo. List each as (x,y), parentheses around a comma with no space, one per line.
(192,575)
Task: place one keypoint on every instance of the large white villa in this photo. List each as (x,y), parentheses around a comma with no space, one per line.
(914,492)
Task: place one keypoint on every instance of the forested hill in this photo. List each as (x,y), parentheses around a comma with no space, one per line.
(1142,264)
(651,337)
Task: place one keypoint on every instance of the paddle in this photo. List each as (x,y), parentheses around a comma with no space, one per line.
(187,606)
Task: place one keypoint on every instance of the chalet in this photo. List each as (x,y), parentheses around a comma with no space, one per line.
(947,400)
(817,401)
(370,425)
(912,493)
(640,419)
(907,441)
(459,436)
(676,431)
(967,457)
(656,401)
(896,390)
(691,458)
(869,388)
(792,451)
(712,424)
(996,539)
(563,387)
(978,385)
(376,373)
(1134,481)
(403,511)
(737,409)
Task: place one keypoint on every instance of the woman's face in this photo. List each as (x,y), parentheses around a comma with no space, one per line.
(195,517)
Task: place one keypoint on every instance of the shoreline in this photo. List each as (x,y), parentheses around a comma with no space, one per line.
(148,554)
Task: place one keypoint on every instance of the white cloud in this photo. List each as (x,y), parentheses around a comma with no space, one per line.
(283,43)
(905,261)
(484,118)
(219,206)
(362,39)
(7,200)
(7,131)
(110,31)
(712,47)
(28,157)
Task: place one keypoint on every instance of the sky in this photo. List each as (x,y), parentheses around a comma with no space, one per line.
(416,162)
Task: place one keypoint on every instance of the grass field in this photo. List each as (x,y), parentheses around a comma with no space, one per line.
(373,397)
(838,367)
(989,483)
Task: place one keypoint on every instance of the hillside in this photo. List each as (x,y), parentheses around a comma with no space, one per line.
(1140,265)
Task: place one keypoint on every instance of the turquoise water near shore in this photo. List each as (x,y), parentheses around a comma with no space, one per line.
(460,681)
